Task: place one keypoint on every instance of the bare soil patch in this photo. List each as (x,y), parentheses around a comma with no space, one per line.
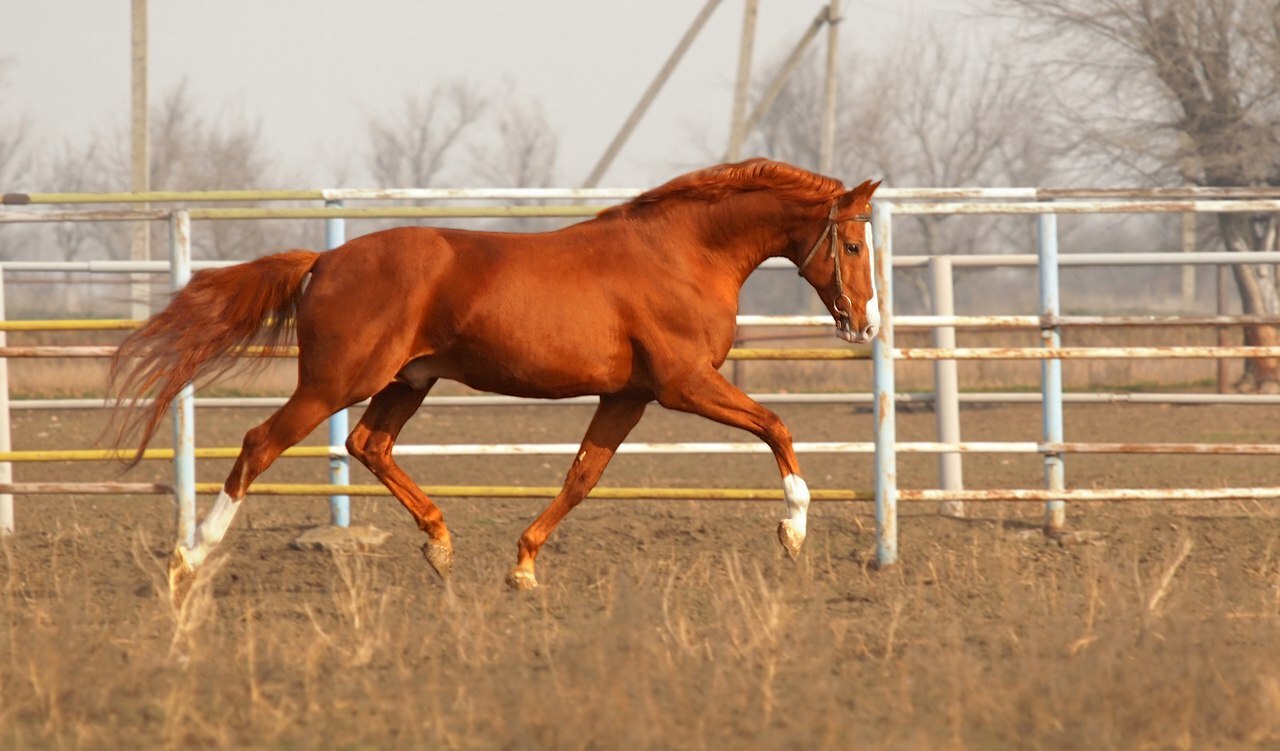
(660,624)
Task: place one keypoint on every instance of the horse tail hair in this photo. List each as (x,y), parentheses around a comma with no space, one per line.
(199,337)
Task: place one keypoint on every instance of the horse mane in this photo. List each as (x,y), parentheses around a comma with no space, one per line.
(721,181)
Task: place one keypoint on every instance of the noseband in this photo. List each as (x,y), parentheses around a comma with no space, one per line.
(832,231)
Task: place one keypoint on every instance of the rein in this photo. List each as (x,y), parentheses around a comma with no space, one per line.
(832,231)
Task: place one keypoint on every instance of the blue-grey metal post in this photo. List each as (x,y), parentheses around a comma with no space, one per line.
(184,414)
(335,234)
(886,464)
(1051,370)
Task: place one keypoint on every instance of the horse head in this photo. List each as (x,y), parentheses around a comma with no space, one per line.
(841,265)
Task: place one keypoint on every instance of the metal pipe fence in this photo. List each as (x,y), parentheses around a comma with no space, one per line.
(1045,204)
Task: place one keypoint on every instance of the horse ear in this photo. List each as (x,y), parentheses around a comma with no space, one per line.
(860,194)
(866,189)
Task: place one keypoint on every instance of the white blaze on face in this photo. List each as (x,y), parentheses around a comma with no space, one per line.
(873,304)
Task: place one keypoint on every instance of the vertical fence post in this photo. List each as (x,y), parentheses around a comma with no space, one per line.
(886,462)
(946,384)
(6,469)
(1224,334)
(184,416)
(335,231)
(1188,271)
(1055,517)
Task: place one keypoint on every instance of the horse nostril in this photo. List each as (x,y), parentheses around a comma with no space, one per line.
(870,332)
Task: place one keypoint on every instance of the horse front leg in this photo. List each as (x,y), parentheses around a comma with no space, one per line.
(613,420)
(707,393)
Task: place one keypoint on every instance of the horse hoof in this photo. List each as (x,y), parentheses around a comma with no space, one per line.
(521,580)
(790,537)
(181,576)
(440,556)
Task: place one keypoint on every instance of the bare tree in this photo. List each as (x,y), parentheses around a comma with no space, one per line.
(933,112)
(524,155)
(957,115)
(191,152)
(411,149)
(68,169)
(15,167)
(510,144)
(84,170)
(14,164)
(1183,91)
(519,150)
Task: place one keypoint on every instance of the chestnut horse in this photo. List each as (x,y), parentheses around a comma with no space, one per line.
(635,305)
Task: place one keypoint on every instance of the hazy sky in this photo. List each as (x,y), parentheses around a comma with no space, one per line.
(313,73)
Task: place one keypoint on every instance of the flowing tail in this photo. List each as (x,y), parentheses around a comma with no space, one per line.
(197,335)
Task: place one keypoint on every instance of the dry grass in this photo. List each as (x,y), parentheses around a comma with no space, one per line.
(996,642)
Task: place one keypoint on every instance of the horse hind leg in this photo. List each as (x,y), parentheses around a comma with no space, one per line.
(262,445)
(371,442)
(613,420)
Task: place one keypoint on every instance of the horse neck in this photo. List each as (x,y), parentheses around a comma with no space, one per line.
(745,231)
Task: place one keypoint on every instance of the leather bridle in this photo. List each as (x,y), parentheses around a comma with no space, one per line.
(832,231)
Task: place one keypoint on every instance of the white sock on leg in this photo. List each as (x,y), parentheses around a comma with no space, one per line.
(212,528)
(791,531)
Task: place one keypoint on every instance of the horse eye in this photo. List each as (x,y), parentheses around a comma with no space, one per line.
(852,248)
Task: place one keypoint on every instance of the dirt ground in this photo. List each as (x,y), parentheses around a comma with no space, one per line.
(660,624)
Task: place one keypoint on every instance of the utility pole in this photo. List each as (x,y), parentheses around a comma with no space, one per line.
(737,126)
(827,148)
(784,73)
(140,179)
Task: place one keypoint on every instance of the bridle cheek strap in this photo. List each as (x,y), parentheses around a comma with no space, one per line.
(832,232)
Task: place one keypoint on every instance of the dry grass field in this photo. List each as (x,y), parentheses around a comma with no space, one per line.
(660,624)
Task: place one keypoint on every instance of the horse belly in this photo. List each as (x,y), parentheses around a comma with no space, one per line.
(530,369)
(534,328)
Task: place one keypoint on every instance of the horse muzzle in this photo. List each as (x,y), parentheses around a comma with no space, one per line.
(845,330)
